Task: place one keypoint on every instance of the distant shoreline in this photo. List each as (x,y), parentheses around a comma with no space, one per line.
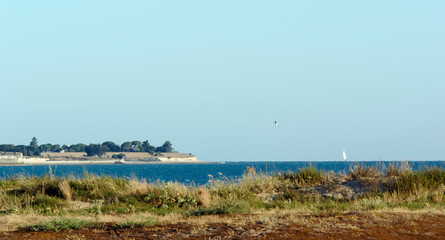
(98,163)
(12,159)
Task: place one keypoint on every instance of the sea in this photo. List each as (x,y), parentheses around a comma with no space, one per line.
(195,174)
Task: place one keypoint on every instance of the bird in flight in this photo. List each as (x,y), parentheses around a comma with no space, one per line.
(276,123)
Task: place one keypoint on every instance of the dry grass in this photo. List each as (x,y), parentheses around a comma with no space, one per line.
(359,172)
(204,197)
(251,172)
(13,222)
(267,225)
(138,187)
(272,217)
(398,169)
(110,199)
(65,188)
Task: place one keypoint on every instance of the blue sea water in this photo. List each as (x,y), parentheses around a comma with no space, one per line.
(197,174)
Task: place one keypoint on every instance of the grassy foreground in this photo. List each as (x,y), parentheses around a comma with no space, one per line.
(53,203)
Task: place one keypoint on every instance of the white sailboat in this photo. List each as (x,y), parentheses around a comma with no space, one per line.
(344,155)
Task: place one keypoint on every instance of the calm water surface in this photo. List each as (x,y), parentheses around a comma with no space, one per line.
(198,174)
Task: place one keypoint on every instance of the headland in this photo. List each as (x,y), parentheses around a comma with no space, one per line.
(80,158)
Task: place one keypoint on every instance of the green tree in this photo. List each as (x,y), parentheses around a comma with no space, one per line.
(126,147)
(147,147)
(33,142)
(23,149)
(102,150)
(45,147)
(55,148)
(80,147)
(112,146)
(95,149)
(65,148)
(137,146)
(7,148)
(33,149)
(166,147)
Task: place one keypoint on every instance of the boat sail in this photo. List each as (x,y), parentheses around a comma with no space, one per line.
(344,155)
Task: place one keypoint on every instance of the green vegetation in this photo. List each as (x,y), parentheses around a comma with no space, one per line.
(118,156)
(136,224)
(63,224)
(304,177)
(308,189)
(33,149)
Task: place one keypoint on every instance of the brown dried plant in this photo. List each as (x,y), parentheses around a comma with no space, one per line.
(251,171)
(65,188)
(204,197)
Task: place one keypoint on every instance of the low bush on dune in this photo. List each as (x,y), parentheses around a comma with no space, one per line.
(304,177)
(424,180)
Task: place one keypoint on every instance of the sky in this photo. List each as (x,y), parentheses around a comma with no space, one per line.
(366,77)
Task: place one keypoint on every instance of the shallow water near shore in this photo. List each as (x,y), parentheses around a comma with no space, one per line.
(194,174)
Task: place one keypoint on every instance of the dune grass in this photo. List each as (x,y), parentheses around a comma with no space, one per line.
(393,187)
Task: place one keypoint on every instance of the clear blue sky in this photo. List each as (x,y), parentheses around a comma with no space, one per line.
(211,77)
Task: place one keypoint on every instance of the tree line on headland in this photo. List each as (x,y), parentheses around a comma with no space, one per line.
(34,149)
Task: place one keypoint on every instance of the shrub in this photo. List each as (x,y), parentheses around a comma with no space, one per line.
(44,185)
(118,156)
(93,188)
(171,195)
(414,182)
(361,173)
(47,204)
(398,169)
(304,177)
